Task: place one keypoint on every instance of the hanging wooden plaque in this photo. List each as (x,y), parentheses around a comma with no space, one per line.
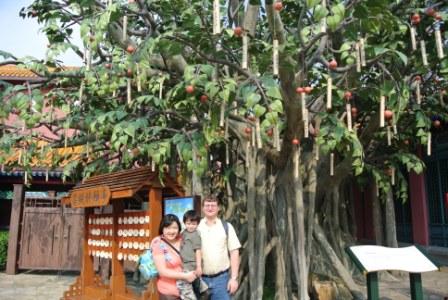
(90,197)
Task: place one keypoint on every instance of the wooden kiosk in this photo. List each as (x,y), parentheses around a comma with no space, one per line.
(119,236)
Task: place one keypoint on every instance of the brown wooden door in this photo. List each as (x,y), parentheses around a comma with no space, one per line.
(40,242)
(51,238)
(73,223)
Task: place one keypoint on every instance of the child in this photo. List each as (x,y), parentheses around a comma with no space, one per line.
(190,252)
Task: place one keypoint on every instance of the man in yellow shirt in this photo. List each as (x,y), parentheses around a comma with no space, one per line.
(220,252)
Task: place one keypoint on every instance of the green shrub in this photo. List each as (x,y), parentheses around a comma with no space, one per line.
(3,248)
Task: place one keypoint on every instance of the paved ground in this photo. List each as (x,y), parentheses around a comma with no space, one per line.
(435,286)
(34,286)
(50,286)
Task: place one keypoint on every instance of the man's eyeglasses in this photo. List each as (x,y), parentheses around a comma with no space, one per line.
(210,205)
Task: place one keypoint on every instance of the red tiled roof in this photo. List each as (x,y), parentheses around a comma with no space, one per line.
(68,154)
(16,72)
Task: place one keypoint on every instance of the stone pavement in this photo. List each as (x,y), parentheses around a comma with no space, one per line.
(34,286)
(42,285)
(435,286)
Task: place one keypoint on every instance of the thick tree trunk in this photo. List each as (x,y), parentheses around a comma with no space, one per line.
(256,216)
(336,262)
(251,221)
(389,218)
(310,198)
(260,241)
(301,238)
(196,180)
(377,216)
(291,202)
(250,19)
(281,290)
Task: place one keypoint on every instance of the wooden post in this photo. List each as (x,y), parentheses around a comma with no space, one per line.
(155,214)
(372,286)
(155,210)
(416,286)
(14,229)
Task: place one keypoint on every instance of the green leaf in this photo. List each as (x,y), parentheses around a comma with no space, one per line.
(130,130)
(402,56)
(211,89)
(379,50)
(320,12)
(207,69)
(338,10)
(271,117)
(333,21)
(338,133)
(225,95)
(312,3)
(276,106)
(274,92)
(252,99)
(259,110)
(345,50)
(418,168)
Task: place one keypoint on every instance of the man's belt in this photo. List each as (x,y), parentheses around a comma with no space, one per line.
(216,274)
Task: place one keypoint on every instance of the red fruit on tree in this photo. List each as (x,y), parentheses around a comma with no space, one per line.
(418,78)
(388,114)
(436,123)
(333,64)
(270,132)
(307,89)
(295,141)
(354,112)
(248,130)
(108,66)
(406,142)
(438,17)
(300,90)
(415,19)
(34,13)
(278,6)
(238,31)
(130,49)
(189,89)
(204,98)
(348,95)
(129,72)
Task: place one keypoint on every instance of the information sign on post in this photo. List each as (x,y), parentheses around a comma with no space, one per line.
(90,197)
(371,259)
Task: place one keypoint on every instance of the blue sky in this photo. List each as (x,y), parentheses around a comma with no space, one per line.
(22,37)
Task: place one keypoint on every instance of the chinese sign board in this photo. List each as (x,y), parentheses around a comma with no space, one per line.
(90,197)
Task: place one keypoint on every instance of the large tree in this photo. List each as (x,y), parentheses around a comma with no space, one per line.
(357,89)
